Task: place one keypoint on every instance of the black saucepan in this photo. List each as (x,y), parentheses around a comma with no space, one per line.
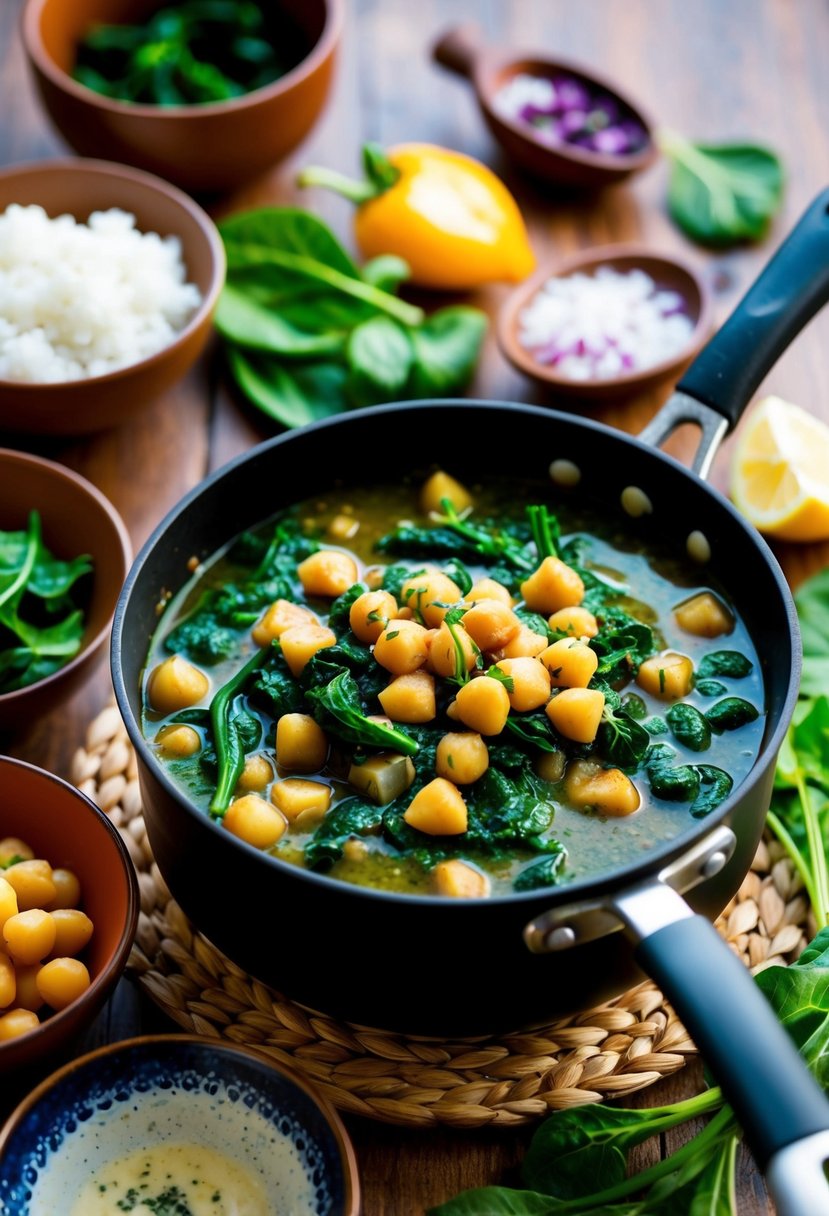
(468,967)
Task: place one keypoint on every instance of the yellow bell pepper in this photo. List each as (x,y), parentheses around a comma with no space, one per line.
(446,215)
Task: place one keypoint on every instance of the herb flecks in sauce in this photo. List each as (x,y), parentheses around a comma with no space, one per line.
(561,766)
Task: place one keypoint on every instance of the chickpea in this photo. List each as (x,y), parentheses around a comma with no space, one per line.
(425,592)
(489,589)
(410,697)
(527,644)
(278,617)
(570,662)
(12,848)
(29,936)
(73,929)
(401,647)
(33,883)
(300,743)
(28,994)
(438,809)
(8,901)
(176,684)
(17,1022)
(370,614)
(575,620)
(67,888)
(668,675)
(461,758)
(529,683)
(8,982)
(300,642)
(443,652)
(458,879)
(491,624)
(62,981)
(576,713)
(256,775)
(606,790)
(178,740)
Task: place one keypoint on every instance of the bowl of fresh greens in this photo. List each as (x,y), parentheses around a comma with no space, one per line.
(64,554)
(206,95)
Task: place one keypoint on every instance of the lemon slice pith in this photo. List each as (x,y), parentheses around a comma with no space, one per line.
(780,471)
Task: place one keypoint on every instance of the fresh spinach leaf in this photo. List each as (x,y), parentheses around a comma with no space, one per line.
(722,193)
(689,727)
(337,706)
(730,664)
(379,356)
(621,739)
(294,394)
(730,714)
(446,348)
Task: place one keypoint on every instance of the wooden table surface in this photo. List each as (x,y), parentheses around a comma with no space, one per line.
(748,69)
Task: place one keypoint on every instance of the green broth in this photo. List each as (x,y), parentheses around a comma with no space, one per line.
(646,584)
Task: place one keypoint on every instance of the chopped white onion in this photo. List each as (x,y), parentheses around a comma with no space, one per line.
(610,323)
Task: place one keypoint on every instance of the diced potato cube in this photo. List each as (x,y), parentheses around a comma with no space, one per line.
(439,486)
(576,713)
(328,572)
(606,790)
(253,819)
(704,615)
(295,795)
(668,675)
(438,810)
(300,743)
(483,705)
(410,697)
(278,617)
(382,778)
(257,773)
(458,879)
(300,642)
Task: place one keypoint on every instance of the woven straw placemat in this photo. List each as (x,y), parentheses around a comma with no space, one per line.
(606,1052)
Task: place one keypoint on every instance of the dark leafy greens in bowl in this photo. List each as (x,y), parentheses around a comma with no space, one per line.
(41,606)
(409,692)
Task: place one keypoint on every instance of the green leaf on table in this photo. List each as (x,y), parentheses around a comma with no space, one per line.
(497,1201)
(812,601)
(387,271)
(446,349)
(379,356)
(722,193)
(291,394)
(246,320)
(799,995)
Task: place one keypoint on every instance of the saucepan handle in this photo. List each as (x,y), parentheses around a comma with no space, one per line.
(781,1108)
(788,292)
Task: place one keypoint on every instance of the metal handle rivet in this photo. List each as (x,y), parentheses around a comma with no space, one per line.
(713,864)
(561,939)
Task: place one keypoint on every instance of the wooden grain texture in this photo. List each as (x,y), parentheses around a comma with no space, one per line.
(745,69)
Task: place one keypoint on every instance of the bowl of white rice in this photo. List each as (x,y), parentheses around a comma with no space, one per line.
(109,278)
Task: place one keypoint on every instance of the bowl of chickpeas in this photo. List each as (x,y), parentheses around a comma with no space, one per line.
(68,913)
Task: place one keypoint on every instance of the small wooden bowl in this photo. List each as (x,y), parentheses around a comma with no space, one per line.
(76,518)
(490,68)
(78,187)
(667,272)
(63,826)
(204,148)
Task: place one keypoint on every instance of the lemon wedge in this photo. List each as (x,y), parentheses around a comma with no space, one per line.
(780,471)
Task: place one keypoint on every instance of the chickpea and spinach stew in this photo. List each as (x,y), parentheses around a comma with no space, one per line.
(427,688)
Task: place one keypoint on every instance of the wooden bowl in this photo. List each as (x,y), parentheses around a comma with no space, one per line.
(62,825)
(462,51)
(79,187)
(667,272)
(146,1092)
(207,147)
(76,519)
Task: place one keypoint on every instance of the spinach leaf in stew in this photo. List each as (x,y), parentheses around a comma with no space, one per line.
(427,688)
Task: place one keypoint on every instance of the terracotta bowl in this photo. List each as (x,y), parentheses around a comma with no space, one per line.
(147,1092)
(668,273)
(488,69)
(76,518)
(207,147)
(63,826)
(79,187)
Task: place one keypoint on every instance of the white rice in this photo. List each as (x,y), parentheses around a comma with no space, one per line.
(80,300)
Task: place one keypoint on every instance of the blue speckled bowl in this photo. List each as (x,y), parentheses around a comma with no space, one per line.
(131,1095)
